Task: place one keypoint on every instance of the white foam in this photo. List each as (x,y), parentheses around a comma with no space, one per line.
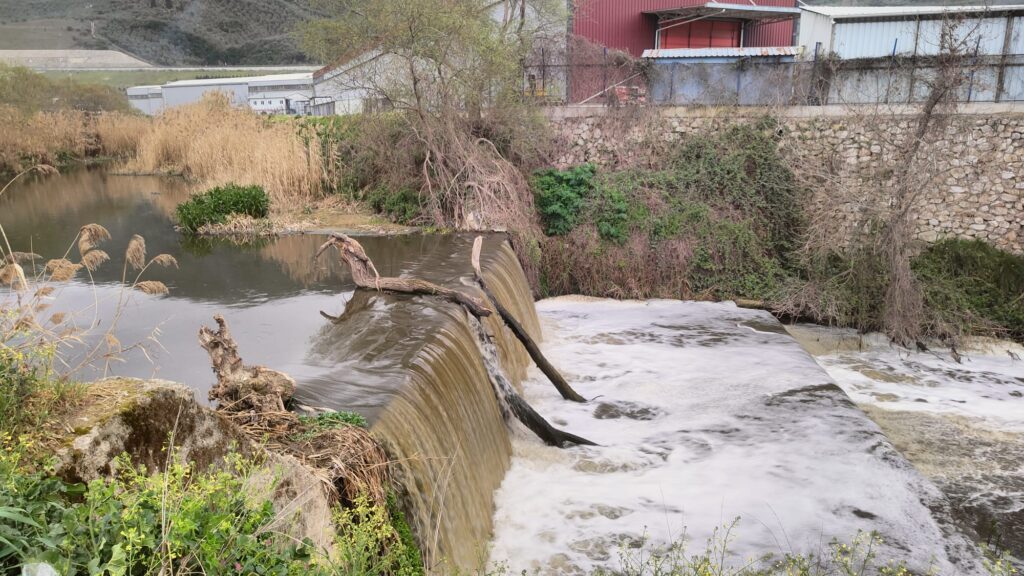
(987,388)
(748,426)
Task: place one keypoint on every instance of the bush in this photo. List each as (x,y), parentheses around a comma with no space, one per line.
(560,196)
(719,217)
(971,286)
(179,521)
(402,206)
(215,205)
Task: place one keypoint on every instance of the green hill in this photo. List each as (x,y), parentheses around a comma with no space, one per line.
(166,32)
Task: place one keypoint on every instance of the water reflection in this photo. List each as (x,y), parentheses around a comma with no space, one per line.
(270,290)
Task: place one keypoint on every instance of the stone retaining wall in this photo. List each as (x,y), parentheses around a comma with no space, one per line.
(974,160)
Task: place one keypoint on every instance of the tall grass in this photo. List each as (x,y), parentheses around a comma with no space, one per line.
(119,135)
(63,136)
(216,144)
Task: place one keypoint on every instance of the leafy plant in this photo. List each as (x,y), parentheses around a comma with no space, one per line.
(402,205)
(177,521)
(970,284)
(560,196)
(329,421)
(369,545)
(215,205)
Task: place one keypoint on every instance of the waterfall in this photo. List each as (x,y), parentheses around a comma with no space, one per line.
(444,428)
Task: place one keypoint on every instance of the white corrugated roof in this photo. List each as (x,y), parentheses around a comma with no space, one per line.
(278,78)
(840,12)
(722,52)
(308,76)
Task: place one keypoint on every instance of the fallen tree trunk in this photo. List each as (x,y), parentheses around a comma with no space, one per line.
(365,275)
(254,393)
(532,349)
(512,404)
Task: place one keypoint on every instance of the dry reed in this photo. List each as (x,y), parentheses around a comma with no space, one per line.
(47,137)
(119,135)
(215,143)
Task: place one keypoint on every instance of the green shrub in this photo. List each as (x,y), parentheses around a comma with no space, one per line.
(741,168)
(560,196)
(215,205)
(971,286)
(179,521)
(370,544)
(402,206)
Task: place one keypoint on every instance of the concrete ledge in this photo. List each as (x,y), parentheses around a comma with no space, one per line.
(836,110)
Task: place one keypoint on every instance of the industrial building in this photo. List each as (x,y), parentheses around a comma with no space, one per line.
(147,99)
(852,32)
(702,52)
(271,94)
(634,26)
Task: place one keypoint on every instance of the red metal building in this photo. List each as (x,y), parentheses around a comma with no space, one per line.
(637,25)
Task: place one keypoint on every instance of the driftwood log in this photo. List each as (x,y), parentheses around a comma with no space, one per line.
(365,275)
(252,392)
(512,404)
(532,349)
(347,459)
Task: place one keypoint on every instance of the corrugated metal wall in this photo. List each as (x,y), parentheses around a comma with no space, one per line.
(621,24)
(879,39)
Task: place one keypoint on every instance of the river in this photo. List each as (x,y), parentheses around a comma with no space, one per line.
(704,413)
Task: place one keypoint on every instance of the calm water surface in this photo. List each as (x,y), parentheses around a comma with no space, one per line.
(271,292)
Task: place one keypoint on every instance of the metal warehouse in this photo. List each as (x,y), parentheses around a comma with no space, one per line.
(637,25)
(271,94)
(876,32)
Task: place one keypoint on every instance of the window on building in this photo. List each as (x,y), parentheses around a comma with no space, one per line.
(702,34)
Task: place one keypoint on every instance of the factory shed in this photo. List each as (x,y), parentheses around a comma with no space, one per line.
(855,32)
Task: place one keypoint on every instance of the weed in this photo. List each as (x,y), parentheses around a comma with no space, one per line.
(215,205)
(368,544)
(402,206)
(314,425)
(560,195)
(177,521)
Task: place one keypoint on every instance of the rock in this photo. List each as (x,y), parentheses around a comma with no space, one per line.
(149,419)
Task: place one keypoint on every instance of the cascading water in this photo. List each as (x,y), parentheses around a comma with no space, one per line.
(435,408)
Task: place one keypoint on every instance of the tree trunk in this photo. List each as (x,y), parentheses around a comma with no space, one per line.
(365,275)
(550,371)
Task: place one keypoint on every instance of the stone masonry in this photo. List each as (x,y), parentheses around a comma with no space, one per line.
(972,184)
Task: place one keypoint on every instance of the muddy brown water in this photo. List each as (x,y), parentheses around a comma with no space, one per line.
(407,363)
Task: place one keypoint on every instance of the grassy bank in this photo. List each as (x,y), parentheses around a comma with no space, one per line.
(723,217)
(61,123)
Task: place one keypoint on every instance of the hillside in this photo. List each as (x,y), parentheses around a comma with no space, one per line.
(166,32)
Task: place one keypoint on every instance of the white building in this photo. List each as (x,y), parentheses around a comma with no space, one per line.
(272,94)
(344,87)
(147,99)
(853,32)
(281,93)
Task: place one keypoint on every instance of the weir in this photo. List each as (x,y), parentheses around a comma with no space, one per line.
(431,402)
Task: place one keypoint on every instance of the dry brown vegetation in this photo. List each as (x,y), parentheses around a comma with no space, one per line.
(214,144)
(65,135)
